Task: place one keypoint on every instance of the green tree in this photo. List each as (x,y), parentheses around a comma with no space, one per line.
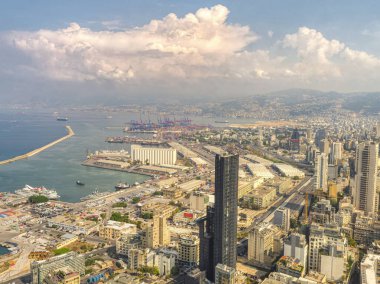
(351,242)
(147,215)
(38,199)
(293,223)
(61,251)
(117,216)
(151,270)
(136,200)
(119,204)
(89,262)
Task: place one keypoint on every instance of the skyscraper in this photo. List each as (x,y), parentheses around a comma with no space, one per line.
(377,130)
(294,141)
(206,243)
(336,152)
(282,218)
(319,136)
(218,230)
(365,196)
(321,172)
(226,202)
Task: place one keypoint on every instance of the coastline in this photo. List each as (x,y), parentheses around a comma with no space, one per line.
(70,133)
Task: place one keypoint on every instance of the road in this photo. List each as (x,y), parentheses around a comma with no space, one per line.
(268,215)
(22,265)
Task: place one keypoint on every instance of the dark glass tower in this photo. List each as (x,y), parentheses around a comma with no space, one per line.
(218,230)
(226,202)
(206,243)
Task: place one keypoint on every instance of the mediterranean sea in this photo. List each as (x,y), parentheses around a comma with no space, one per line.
(59,167)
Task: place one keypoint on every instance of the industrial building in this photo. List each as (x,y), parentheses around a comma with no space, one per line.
(153,156)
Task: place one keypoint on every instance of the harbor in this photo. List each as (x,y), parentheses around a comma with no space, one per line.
(134,140)
(70,133)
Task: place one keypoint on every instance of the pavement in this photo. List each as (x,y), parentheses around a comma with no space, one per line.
(22,265)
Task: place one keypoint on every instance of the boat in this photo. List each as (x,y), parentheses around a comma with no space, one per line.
(121,186)
(78,182)
(222,121)
(28,191)
(62,119)
(136,183)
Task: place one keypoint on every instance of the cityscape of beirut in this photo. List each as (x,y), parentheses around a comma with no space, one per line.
(190,142)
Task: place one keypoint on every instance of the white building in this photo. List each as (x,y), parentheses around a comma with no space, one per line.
(378,130)
(113,230)
(224,274)
(333,263)
(281,278)
(321,238)
(336,152)
(259,170)
(370,269)
(282,218)
(263,243)
(198,201)
(321,172)
(154,156)
(165,260)
(296,246)
(188,250)
(128,242)
(288,170)
(365,197)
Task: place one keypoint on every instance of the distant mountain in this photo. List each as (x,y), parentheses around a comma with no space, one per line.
(368,103)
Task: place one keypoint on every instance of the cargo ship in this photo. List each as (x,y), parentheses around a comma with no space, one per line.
(121,186)
(221,121)
(62,119)
(30,191)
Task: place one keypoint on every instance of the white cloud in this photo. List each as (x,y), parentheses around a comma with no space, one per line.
(175,47)
(319,56)
(198,46)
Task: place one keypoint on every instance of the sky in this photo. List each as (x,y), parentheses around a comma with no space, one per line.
(118,51)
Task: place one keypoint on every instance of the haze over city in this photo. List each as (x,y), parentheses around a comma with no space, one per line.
(189,142)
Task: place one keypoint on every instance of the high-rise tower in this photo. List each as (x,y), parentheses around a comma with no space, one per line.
(218,229)
(321,172)
(226,201)
(365,196)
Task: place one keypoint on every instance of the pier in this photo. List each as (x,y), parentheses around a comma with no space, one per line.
(133,140)
(70,133)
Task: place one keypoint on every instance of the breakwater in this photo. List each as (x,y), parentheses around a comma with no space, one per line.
(70,133)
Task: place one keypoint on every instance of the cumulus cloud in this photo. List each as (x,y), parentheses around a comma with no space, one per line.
(319,56)
(196,46)
(191,46)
